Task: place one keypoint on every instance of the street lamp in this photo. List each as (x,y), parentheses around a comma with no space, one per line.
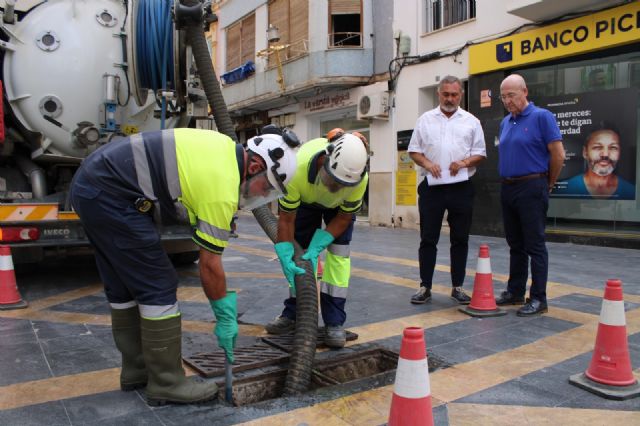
(273,36)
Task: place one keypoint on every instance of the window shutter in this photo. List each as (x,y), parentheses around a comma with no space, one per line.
(344,7)
(233,46)
(248,39)
(299,13)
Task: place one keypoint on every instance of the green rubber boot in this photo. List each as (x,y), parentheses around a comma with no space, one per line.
(161,346)
(125,325)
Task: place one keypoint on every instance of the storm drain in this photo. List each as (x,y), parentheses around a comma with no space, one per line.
(284,342)
(377,365)
(211,364)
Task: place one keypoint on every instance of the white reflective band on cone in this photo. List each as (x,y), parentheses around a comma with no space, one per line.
(612,313)
(412,379)
(484,265)
(6,263)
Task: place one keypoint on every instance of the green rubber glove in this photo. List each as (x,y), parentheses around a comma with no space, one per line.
(226,311)
(320,241)
(289,268)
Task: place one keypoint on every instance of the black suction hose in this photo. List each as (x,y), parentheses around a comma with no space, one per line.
(306,333)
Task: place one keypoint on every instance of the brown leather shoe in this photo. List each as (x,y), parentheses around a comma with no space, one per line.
(507,298)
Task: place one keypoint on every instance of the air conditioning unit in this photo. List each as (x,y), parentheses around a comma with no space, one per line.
(375,105)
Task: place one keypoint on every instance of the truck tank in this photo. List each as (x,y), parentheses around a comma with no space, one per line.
(72,82)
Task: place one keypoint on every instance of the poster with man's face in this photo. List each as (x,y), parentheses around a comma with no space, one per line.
(599,138)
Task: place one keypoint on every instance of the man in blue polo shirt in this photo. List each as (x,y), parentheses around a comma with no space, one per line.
(531,157)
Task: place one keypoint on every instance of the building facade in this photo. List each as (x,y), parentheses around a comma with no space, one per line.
(373,66)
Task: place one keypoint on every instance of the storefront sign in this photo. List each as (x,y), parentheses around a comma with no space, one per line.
(406,180)
(329,101)
(613,27)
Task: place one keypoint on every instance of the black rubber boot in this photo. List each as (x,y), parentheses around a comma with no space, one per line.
(161,346)
(125,325)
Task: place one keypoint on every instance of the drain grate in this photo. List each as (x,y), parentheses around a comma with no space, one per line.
(210,364)
(284,342)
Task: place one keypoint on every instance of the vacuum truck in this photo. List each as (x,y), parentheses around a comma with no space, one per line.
(78,74)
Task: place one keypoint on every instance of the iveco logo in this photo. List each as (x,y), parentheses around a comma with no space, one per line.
(56,232)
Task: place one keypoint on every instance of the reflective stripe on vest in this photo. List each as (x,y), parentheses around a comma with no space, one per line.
(214,231)
(143,173)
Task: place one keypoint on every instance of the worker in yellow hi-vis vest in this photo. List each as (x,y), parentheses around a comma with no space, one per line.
(329,185)
(124,191)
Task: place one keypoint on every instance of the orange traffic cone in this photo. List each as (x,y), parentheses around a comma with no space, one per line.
(9,295)
(609,374)
(411,402)
(483,304)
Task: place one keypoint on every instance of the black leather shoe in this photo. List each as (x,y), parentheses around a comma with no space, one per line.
(507,298)
(422,296)
(533,307)
(458,294)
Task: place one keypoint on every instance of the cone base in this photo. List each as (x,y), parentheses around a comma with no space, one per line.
(478,313)
(618,393)
(17,305)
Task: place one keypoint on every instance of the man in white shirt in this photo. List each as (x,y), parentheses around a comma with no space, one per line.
(447,142)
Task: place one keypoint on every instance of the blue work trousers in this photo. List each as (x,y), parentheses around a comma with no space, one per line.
(308,220)
(524,214)
(129,254)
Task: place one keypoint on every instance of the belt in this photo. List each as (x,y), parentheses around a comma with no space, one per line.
(517,179)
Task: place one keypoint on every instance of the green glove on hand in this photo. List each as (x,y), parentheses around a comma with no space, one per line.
(285,254)
(226,311)
(320,241)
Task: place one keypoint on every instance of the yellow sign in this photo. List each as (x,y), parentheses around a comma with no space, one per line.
(405,181)
(613,27)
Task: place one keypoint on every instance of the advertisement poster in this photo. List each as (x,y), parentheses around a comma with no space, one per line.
(599,138)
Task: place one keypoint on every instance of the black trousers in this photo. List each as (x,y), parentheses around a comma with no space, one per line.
(524,212)
(457,200)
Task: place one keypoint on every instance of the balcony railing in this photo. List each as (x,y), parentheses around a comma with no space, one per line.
(443,13)
(345,39)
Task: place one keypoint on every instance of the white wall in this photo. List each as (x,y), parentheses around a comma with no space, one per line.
(492,20)
(414,91)
(318,21)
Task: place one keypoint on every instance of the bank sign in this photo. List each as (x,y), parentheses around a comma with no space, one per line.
(613,27)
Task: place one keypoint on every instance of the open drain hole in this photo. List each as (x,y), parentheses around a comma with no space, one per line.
(375,367)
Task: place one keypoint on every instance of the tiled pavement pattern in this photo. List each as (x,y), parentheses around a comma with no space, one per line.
(58,364)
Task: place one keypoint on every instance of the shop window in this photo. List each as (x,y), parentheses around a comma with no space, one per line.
(345,27)
(443,13)
(596,104)
(241,42)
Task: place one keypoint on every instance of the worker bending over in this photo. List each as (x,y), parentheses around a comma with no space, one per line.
(328,185)
(127,189)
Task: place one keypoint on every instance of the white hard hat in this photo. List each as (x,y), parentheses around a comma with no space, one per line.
(279,157)
(346,160)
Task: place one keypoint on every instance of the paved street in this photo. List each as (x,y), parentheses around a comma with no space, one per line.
(59,366)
